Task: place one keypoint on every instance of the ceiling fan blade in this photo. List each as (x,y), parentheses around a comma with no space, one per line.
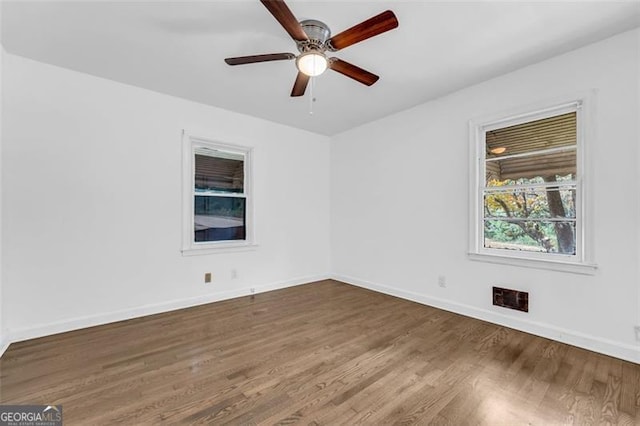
(371,27)
(282,13)
(300,85)
(352,71)
(240,60)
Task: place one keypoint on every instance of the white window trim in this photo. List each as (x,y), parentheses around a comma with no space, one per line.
(582,262)
(189,246)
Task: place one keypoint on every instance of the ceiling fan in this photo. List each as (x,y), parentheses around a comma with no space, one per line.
(313,39)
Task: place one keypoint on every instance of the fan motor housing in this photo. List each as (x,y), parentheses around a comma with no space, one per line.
(318,33)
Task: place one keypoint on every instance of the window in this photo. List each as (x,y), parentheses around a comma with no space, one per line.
(217,197)
(528,188)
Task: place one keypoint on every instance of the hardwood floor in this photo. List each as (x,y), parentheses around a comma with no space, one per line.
(322,353)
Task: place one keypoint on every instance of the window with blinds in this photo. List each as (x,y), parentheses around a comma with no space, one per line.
(217,185)
(529,185)
(219,195)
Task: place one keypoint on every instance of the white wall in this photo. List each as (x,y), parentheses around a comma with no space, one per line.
(399,203)
(92,193)
(3,344)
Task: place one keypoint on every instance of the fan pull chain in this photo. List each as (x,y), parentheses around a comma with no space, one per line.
(311,98)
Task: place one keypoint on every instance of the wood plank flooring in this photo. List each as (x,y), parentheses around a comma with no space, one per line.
(323,353)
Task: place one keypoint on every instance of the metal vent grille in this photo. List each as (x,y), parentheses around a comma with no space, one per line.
(512,299)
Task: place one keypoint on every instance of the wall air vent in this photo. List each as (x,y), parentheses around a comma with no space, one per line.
(513,299)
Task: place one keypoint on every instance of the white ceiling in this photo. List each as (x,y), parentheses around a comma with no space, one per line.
(178,48)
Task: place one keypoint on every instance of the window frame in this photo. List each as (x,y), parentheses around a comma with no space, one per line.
(190,143)
(582,261)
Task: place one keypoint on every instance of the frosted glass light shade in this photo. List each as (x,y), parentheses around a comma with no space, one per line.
(311,63)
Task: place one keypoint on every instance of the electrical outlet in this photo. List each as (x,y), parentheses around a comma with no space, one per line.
(234,274)
(442,281)
(637,328)
(207,277)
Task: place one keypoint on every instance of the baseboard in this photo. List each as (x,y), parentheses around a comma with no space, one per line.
(18,335)
(4,344)
(593,343)
(608,347)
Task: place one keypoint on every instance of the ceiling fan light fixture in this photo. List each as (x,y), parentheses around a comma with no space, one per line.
(312,63)
(313,38)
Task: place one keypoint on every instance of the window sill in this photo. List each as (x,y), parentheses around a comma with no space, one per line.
(552,265)
(218,249)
